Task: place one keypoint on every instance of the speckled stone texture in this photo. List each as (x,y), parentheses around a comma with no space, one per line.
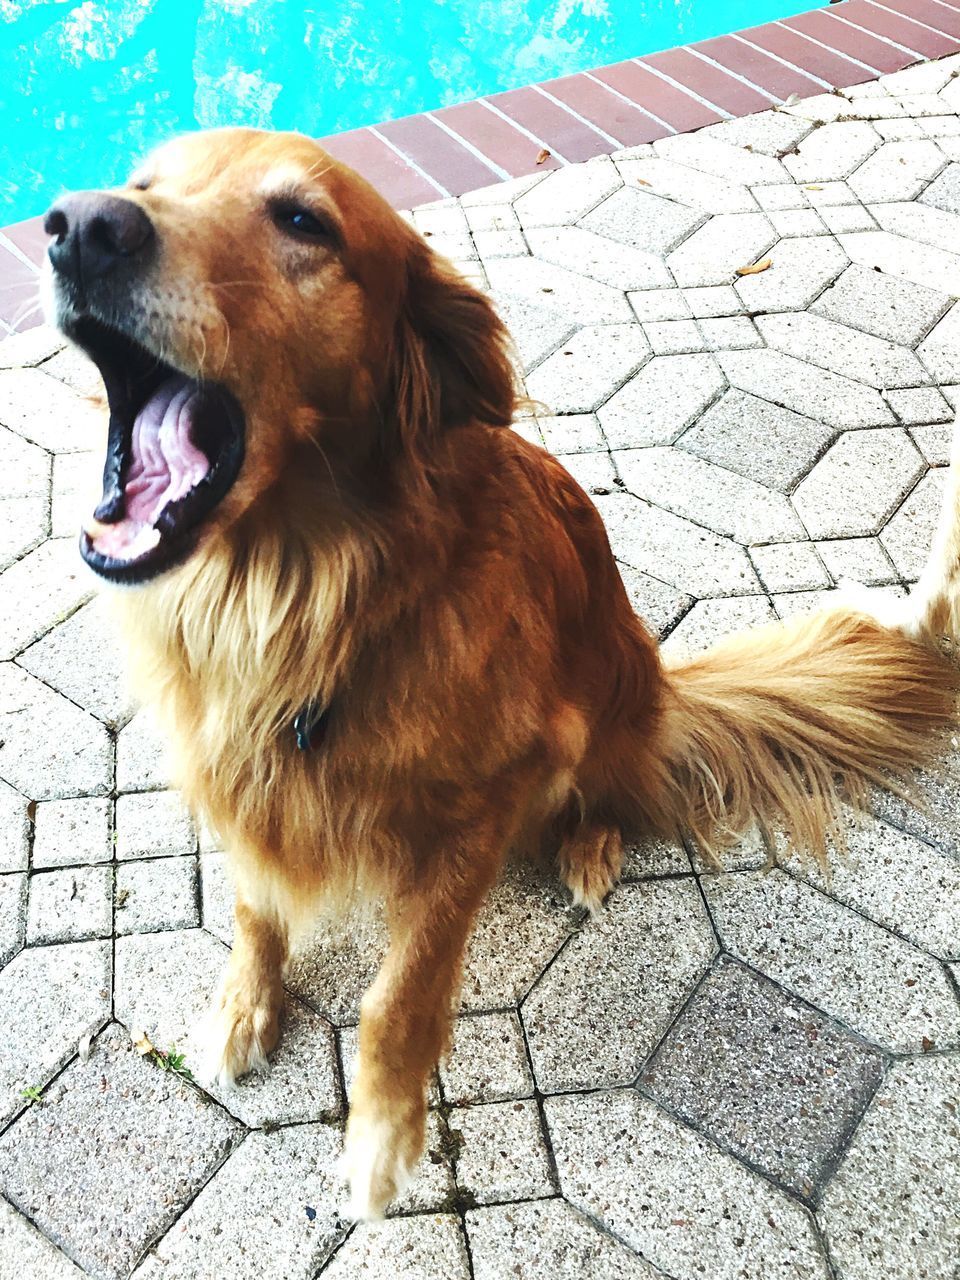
(735,1075)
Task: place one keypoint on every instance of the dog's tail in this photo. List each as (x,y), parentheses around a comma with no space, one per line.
(777,727)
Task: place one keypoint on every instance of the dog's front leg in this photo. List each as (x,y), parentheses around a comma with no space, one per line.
(243,1023)
(405,1021)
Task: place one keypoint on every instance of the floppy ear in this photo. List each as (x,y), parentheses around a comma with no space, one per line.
(450,360)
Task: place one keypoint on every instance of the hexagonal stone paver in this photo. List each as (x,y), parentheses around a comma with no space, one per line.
(661,400)
(38,591)
(674,1196)
(858,482)
(14,830)
(891,1209)
(547,1240)
(832,152)
(586,369)
(254,1215)
(24,523)
(918,222)
(104,1180)
(25,1252)
(603,1004)
(81,658)
(713,254)
(909,533)
(771,133)
(725,502)
(794,384)
(658,604)
(31,347)
(833,346)
(897,310)
(656,541)
(24,468)
(700,191)
(164,985)
(618,265)
(867,978)
(141,755)
(940,350)
(898,170)
(935,268)
(757,439)
(711,620)
(567,194)
(48,747)
(403,1249)
(487,1061)
(49,414)
(714,154)
(642,220)
(501,1153)
(800,269)
(542,284)
(765,1076)
(13,898)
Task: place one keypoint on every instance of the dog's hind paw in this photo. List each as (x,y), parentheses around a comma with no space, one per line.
(379,1156)
(590,862)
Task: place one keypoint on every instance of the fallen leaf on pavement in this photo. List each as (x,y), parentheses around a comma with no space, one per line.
(756,268)
(542,155)
(141,1042)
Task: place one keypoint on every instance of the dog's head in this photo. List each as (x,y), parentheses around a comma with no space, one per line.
(248,301)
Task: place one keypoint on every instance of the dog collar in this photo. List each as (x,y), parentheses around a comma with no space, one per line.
(310,725)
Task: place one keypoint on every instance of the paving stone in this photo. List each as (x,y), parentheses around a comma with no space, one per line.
(926,77)
(498,244)
(747,854)
(822,108)
(772,133)
(335,966)
(72,367)
(618,265)
(673,337)
(802,268)
(658,542)
(855,971)
(891,1209)
(944,191)
(712,301)
(488,1060)
(781,196)
(501,192)
(24,468)
(844,218)
(934,442)
(70,905)
(593,472)
(764,1076)
(38,591)
(832,152)
(254,1215)
(725,502)
(882,305)
(547,1240)
(164,985)
(567,194)
(31,347)
(544,285)
(711,255)
(589,367)
(70,832)
(758,440)
(897,171)
(14,830)
(790,566)
(651,858)
(642,220)
(670,1194)
(920,405)
(896,255)
(734,334)
(661,400)
(572,433)
(103,1180)
(536,330)
(909,533)
(49,748)
(700,191)
(50,996)
(796,222)
(940,350)
(927,226)
(846,351)
(859,559)
(659,304)
(46,412)
(25,1252)
(81,659)
(657,603)
(77,483)
(13,899)
(858,483)
(502,1156)
(711,620)
(600,1009)
(403,1249)
(794,384)
(529,430)
(491,217)
(160,894)
(153,824)
(24,523)
(720,157)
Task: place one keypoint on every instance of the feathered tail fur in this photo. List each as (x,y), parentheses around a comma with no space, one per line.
(779,726)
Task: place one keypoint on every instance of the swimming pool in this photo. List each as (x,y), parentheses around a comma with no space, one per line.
(85,88)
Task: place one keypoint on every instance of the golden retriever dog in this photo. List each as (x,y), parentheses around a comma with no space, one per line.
(385,636)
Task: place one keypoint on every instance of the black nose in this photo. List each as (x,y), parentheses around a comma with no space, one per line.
(93,232)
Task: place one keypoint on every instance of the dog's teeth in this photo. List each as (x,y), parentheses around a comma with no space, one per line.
(93,527)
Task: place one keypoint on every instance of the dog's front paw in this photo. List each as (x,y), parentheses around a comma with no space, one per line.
(378,1160)
(235,1037)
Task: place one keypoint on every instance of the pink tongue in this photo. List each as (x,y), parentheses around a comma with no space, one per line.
(165,465)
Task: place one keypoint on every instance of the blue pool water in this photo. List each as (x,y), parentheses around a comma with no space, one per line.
(87,87)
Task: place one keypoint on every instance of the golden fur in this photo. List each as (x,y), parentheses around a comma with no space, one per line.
(449,592)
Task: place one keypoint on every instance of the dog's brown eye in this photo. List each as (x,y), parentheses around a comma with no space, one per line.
(301,222)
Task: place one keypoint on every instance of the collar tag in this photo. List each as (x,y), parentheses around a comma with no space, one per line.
(310,725)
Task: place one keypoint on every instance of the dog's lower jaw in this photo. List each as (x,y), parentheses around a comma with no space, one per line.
(381,1148)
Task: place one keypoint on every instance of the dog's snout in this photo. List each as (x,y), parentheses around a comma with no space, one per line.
(93,232)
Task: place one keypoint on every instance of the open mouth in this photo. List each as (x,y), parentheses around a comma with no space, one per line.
(174,449)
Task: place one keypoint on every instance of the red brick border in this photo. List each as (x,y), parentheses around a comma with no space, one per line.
(456,149)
